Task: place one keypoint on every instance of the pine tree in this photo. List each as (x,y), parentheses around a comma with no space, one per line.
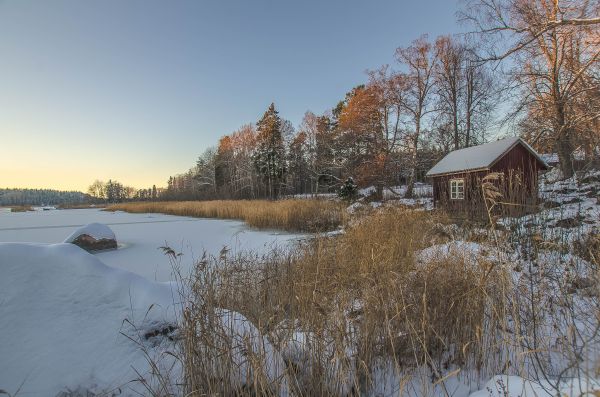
(269,157)
(349,190)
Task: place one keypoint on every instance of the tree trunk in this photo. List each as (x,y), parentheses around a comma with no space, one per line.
(564,147)
(456,132)
(413,171)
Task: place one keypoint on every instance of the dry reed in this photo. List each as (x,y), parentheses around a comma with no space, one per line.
(344,310)
(290,215)
(21,208)
(354,301)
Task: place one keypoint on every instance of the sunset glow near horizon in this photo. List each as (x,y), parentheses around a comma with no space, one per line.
(135,91)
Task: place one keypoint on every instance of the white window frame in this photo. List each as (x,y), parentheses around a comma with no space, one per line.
(457,189)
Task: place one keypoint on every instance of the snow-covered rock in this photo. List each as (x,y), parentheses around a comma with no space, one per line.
(93,237)
(354,207)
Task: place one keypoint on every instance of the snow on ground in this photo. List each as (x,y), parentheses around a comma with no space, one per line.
(367,191)
(515,386)
(395,195)
(313,196)
(62,309)
(44,208)
(570,208)
(140,236)
(69,322)
(468,251)
(420,190)
(425,203)
(60,301)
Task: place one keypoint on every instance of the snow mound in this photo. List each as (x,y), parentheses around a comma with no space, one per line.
(95,230)
(62,312)
(93,237)
(467,251)
(246,348)
(71,323)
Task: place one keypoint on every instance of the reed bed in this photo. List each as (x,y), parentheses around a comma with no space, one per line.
(79,206)
(346,315)
(21,208)
(337,308)
(290,215)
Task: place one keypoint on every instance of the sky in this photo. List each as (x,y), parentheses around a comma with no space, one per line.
(135,91)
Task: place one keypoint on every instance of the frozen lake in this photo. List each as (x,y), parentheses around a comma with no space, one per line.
(140,236)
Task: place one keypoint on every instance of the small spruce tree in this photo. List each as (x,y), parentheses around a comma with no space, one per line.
(349,190)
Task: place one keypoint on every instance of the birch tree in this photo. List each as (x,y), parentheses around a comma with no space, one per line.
(420,60)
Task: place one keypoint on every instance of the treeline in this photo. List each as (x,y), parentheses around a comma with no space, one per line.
(41,197)
(116,192)
(388,131)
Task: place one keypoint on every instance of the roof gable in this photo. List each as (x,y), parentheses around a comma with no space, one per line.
(479,157)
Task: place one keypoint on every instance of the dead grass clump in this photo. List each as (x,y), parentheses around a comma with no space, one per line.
(21,208)
(588,248)
(291,215)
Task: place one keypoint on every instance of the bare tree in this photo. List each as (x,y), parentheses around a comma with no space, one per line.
(420,60)
(97,190)
(553,45)
(390,88)
(205,174)
(310,129)
(464,92)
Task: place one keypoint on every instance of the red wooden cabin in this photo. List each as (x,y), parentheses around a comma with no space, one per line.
(457,178)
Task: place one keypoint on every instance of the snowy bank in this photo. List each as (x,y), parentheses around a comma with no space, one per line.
(62,312)
(71,323)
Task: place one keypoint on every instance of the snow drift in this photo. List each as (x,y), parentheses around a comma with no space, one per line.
(71,323)
(62,312)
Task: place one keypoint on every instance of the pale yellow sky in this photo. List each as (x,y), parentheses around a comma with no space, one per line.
(59,164)
(110,89)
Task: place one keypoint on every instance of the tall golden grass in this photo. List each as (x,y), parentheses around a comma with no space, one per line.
(360,299)
(290,215)
(21,208)
(350,310)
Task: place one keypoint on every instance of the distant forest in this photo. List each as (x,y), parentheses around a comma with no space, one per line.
(41,197)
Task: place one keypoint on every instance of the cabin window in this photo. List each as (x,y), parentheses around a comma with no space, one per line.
(457,189)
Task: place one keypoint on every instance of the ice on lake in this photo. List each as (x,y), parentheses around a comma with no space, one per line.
(140,236)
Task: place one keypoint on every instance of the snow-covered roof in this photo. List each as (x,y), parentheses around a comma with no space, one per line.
(478,157)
